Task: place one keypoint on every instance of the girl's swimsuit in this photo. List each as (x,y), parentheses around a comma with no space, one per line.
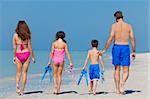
(22,56)
(58,56)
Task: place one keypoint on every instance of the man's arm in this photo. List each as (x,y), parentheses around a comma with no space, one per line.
(132,40)
(109,39)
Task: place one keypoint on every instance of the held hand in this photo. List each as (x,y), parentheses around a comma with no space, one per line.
(103,69)
(71,64)
(14,60)
(49,63)
(33,60)
(133,55)
(83,68)
(101,52)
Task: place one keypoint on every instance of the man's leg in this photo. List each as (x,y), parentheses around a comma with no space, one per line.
(124,78)
(117,79)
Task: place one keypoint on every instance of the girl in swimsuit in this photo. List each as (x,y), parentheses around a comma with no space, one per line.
(59,48)
(22,51)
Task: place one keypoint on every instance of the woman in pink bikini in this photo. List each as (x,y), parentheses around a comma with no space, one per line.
(59,48)
(22,50)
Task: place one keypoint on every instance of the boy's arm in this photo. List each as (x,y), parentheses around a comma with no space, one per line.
(86,60)
(102,62)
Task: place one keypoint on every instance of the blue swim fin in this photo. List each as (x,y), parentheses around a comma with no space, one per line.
(102,76)
(45,71)
(86,77)
(83,72)
(50,73)
(81,75)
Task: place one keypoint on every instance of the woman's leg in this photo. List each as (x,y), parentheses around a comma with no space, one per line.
(59,75)
(55,69)
(18,75)
(24,74)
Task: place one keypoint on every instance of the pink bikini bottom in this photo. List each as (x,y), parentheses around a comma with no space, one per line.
(22,56)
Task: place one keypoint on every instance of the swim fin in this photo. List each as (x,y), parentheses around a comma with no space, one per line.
(83,72)
(45,71)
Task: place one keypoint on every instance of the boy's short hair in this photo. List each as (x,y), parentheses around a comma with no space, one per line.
(94,43)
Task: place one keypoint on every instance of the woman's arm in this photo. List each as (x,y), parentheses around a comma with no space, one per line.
(86,60)
(31,50)
(14,47)
(68,54)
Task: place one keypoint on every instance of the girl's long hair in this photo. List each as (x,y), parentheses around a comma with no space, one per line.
(60,34)
(23,30)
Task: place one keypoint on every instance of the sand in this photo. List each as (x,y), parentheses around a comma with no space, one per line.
(136,87)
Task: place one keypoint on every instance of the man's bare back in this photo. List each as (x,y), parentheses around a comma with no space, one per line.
(121,31)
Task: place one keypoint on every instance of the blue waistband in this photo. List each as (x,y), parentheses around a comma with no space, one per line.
(94,64)
(120,45)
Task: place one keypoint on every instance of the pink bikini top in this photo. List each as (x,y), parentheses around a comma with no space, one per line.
(21,46)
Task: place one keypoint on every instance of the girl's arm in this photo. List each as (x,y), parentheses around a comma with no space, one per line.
(14,48)
(86,60)
(68,54)
(102,62)
(31,50)
(51,54)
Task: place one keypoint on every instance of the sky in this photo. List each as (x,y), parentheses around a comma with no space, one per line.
(81,20)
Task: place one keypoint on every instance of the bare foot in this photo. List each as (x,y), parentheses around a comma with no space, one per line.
(22,93)
(18,89)
(122,88)
(55,91)
(58,91)
(90,92)
(94,93)
(118,92)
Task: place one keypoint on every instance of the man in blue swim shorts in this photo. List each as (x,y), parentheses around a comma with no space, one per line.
(121,32)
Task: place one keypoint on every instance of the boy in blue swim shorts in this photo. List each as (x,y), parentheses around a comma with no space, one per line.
(94,70)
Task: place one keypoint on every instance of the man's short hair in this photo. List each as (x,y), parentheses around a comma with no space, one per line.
(118,15)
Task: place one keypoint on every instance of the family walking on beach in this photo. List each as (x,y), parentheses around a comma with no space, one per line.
(121,32)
